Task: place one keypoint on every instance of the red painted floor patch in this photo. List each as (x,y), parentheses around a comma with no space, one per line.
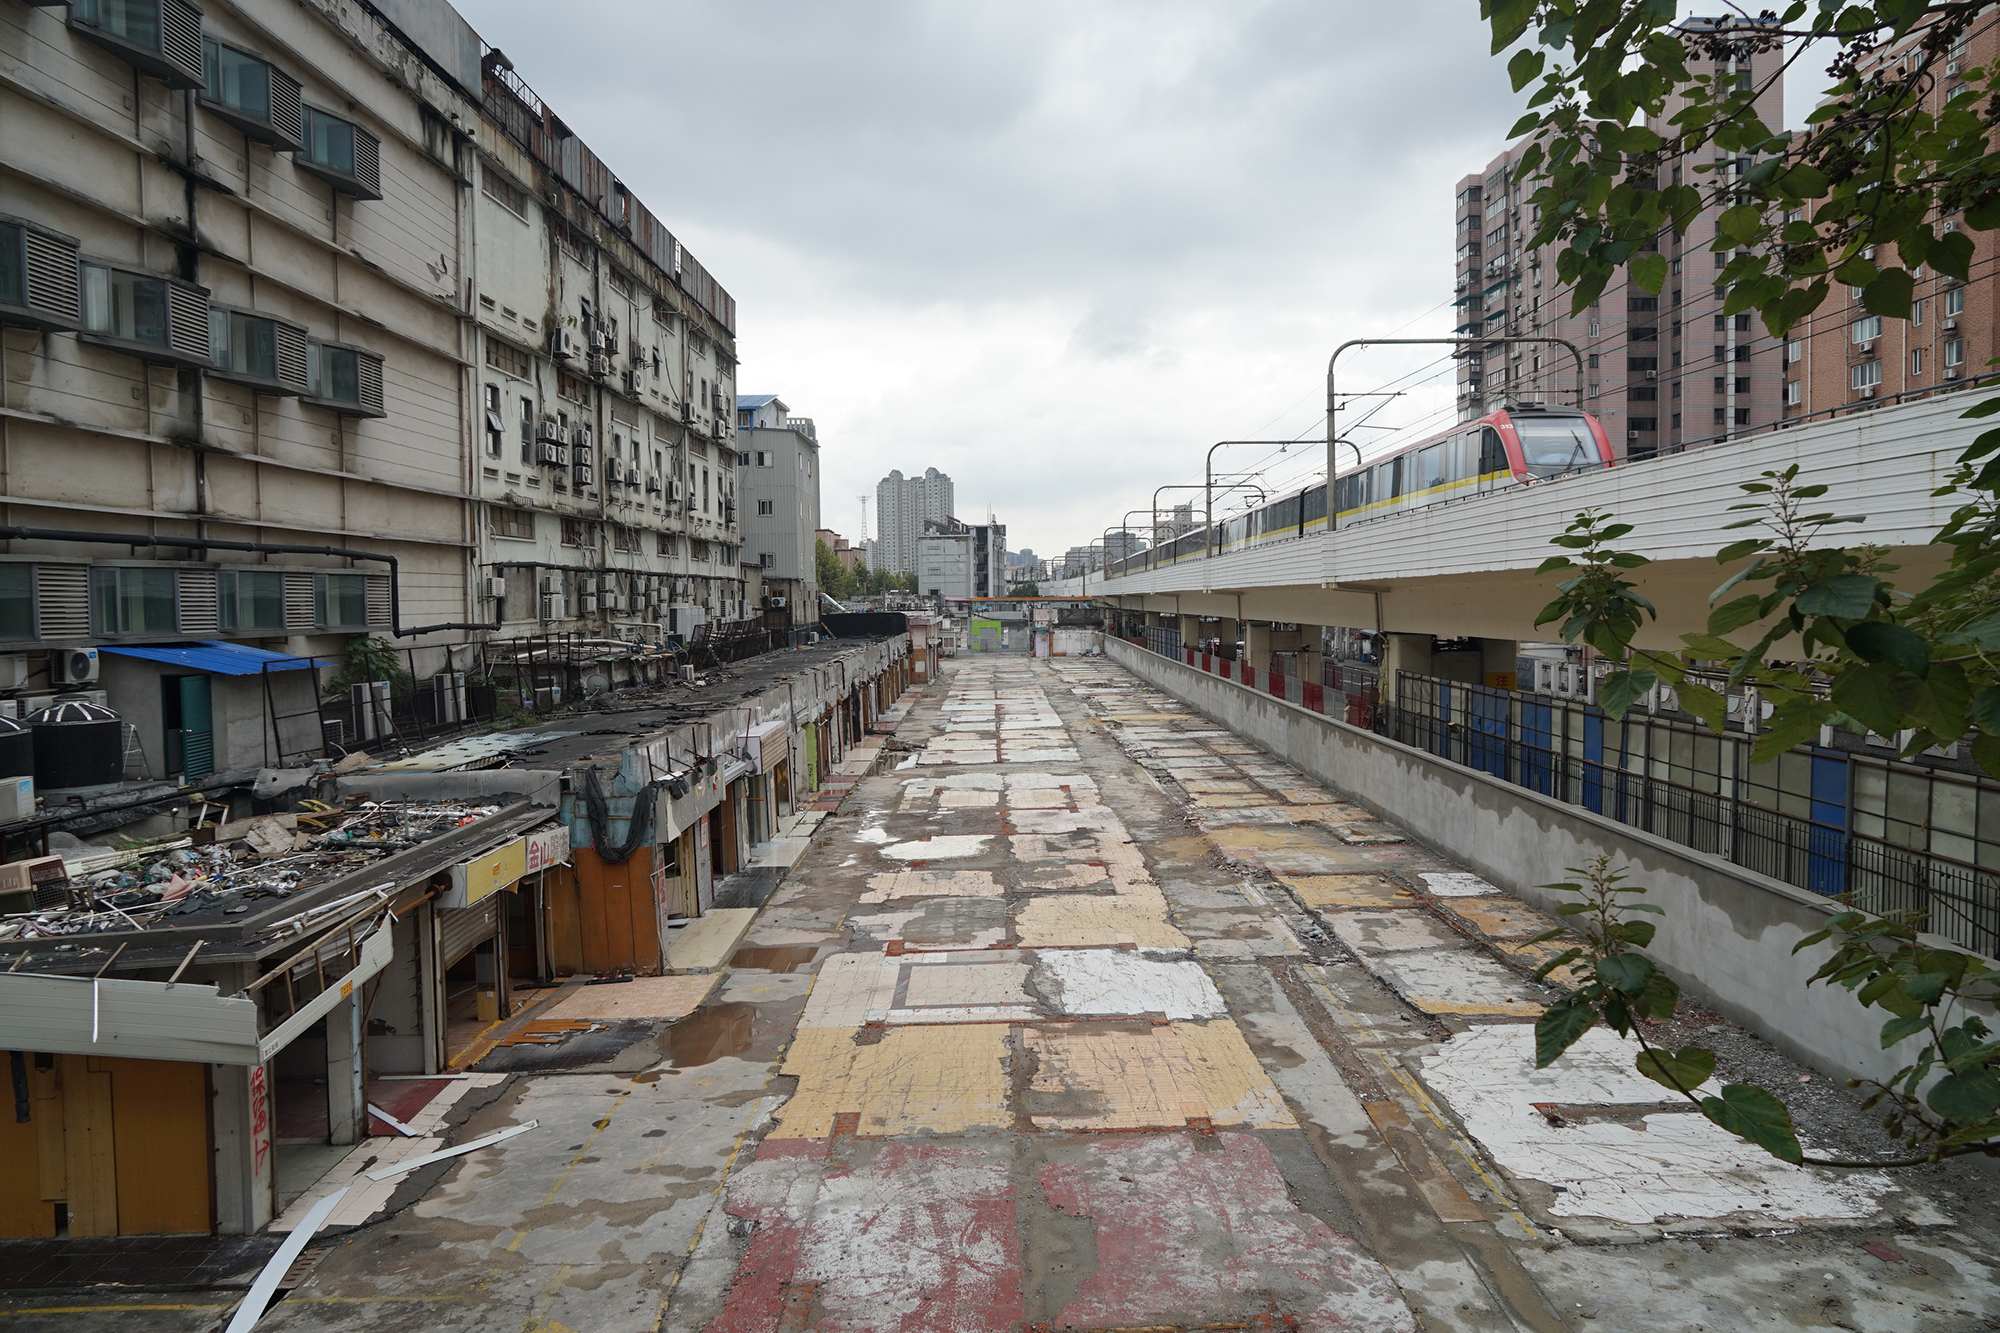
(1197,1232)
(887,1234)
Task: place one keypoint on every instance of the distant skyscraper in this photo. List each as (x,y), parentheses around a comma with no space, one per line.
(902,506)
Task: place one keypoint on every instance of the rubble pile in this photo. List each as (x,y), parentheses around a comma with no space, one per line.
(274,857)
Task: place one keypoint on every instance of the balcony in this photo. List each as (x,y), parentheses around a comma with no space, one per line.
(38,276)
(155,318)
(253,95)
(342,154)
(158,37)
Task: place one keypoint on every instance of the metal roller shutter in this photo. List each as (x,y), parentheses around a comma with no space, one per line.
(462,931)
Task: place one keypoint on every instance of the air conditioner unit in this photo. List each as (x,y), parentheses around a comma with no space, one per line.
(1868,391)
(553,455)
(563,344)
(494,587)
(687,410)
(1867,346)
(653,485)
(1545,675)
(13,671)
(1951,372)
(586,604)
(580,437)
(632,478)
(549,431)
(1664,699)
(73,666)
(600,364)
(1652,374)
(614,601)
(1631,434)
(633,381)
(551,584)
(1951,326)
(775,603)
(554,606)
(582,475)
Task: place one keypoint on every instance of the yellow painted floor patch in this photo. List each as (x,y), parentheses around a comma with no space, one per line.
(1123,1077)
(642,997)
(1500,918)
(1349,891)
(1137,918)
(914,1080)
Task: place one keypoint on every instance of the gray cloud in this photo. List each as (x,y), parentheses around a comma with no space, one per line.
(1053,249)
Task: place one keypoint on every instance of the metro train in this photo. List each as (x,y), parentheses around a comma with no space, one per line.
(1514,446)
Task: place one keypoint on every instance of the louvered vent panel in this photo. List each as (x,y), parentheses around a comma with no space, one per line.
(378,602)
(62,601)
(180,38)
(368,375)
(291,346)
(367,161)
(200,602)
(52,275)
(287,115)
(187,321)
(300,605)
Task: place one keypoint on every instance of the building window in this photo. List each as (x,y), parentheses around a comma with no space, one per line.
(1866,329)
(1954,302)
(765,560)
(253,599)
(1794,351)
(346,379)
(764,507)
(343,601)
(504,192)
(162,37)
(572,532)
(247,92)
(342,154)
(1916,360)
(254,347)
(569,386)
(662,544)
(119,303)
(507,358)
(132,601)
(1954,353)
(496,425)
(1794,393)
(1917,309)
(17,601)
(514,524)
(624,538)
(527,430)
(1864,376)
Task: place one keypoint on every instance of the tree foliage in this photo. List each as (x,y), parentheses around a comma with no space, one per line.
(1881,182)
(1944,1102)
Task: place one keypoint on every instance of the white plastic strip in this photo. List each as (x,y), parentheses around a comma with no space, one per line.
(266,1285)
(395,1169)
(391,1121)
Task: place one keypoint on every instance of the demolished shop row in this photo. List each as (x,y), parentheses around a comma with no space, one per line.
(196,1033)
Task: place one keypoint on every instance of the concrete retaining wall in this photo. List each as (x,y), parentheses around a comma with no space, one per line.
(1728,932)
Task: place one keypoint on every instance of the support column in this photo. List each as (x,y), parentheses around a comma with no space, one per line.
(1404,652)
(346,1102)
(1261,642)
(1191,633)
(1498,659)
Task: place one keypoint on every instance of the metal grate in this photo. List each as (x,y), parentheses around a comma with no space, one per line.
(53,283)
(301,604)
(187,321)
(368,377)
(180,39)
(287,113)
(200,601)
(368,161)
(291,355)
(62,601)
(379,616)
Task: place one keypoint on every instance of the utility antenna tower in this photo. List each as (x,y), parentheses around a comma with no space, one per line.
(864,517)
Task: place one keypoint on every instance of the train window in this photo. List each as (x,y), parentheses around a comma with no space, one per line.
(1399,482)
(1552,445)
(1492,454)
(1315,503)
(1430,467)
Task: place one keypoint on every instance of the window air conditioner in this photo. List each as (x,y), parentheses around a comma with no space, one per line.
(587,604)
(553,455)
(1951,326)
(494,587)
(563,343)
(1868,391)
(554,606)
(1951,372)
(1868,346)
(549,430)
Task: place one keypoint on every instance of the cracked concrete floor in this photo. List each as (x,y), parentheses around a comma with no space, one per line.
(1097,1017)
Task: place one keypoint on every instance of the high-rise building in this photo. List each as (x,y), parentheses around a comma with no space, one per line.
(1660,371)
(1841,355)
(957,560)
(778,480)
(902,506)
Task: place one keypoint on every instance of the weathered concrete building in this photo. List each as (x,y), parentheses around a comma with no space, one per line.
(778,465)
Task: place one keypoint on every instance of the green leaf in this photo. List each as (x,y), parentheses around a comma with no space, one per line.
(1942,701)
(1525,66)
(1704,703)
(1871,696)
(1740,225)
(1683,1070)
(1844,596)
(1889,294)
(1648,271)
(1559,1027)
(1967,1097)
(1952,255)
(1749,1112)
(1662,993)
(1887,644)
(1986,710)
(1626,972)
(1617,692)
(1794,723)
(1738,549)
(1981,633)
(1734,615)
(1899,1029)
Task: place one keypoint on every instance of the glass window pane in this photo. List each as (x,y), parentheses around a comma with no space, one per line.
(344,380)
(11,260)
(17,602)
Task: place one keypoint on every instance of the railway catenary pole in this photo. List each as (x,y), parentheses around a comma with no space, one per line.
(1333,400)
(1208,475)
(1207,487)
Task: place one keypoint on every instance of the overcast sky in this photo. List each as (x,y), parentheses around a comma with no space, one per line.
(1052,249)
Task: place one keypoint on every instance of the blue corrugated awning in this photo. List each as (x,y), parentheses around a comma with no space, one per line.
(213,656)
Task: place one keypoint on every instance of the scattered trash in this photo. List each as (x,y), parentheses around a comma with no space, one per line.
(258,1298)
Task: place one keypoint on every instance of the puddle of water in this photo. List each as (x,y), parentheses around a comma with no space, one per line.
(774,957)
(708,1034)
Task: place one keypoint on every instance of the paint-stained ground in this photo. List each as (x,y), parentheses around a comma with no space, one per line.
(1080,1012)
